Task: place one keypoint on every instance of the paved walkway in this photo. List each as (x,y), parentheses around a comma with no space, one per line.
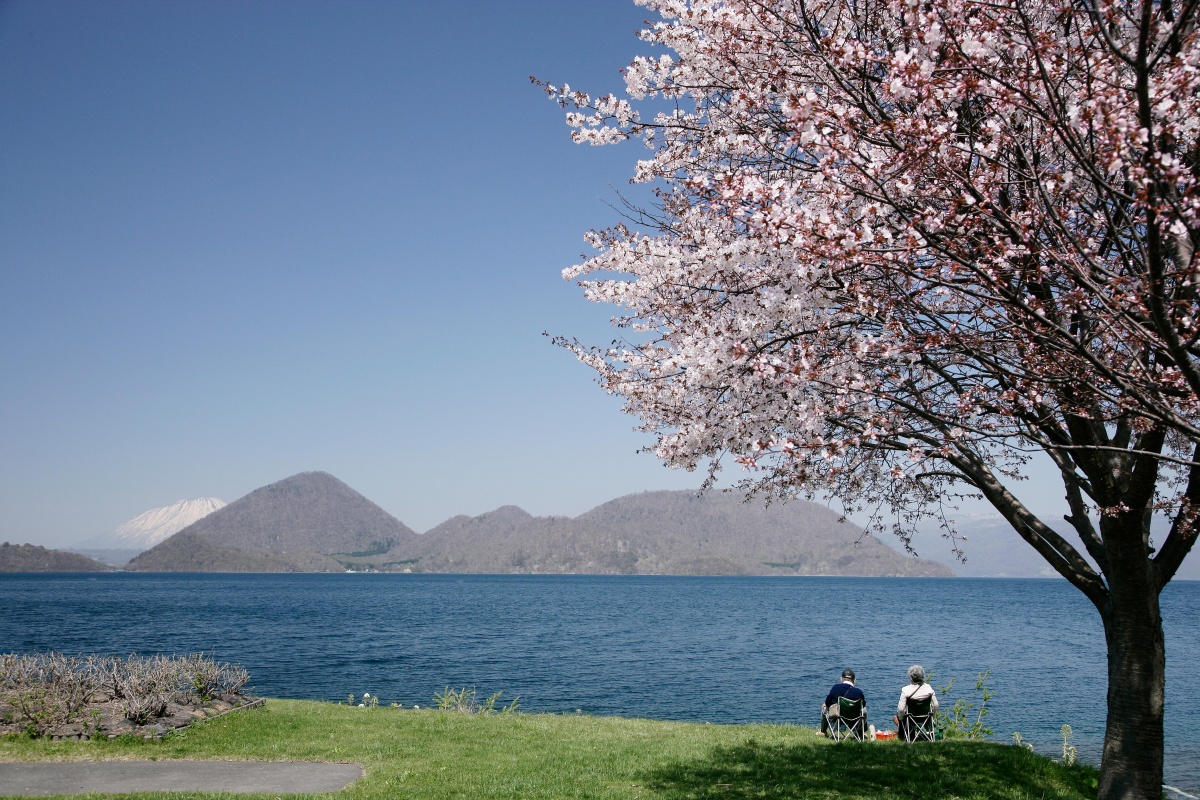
(118,777)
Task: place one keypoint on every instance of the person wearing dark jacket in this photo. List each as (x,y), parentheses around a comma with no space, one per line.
(846,689)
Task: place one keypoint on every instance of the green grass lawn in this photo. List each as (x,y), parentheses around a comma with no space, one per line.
(416,755)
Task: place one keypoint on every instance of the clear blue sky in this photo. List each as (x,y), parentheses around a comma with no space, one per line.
(241,240)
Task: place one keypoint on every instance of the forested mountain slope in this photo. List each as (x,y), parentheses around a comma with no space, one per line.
(672,533)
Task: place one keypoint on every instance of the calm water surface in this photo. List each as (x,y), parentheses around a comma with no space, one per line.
(725,650)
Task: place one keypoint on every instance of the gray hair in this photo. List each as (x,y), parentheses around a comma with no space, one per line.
(916,674)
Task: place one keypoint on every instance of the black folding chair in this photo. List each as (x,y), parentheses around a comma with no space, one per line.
(919,724)
(850,721)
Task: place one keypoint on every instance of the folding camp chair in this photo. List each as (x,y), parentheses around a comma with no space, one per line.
(919,724)
(850,722)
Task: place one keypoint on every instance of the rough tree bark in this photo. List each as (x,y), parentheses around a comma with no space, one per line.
(1133,736)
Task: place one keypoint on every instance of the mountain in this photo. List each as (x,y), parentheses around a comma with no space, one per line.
(304,523)
(994,550)
(149,528)
(32,558)
(667,532)
(191,552)
(312,522)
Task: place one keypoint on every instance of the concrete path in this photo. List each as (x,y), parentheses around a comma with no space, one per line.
(119,777)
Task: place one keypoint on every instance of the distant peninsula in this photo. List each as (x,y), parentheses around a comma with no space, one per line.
(32,558)
(313,522)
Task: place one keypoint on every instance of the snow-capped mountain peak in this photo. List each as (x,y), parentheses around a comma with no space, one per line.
(149,528)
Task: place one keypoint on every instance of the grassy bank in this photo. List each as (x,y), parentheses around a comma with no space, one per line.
(419,755)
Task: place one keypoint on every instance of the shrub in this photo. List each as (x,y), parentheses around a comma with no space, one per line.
(43,691)
(964,719)
(464,701)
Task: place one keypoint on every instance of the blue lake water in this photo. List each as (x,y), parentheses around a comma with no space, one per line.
(724,650)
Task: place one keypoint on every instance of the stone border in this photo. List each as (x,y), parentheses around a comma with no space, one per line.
(257,702)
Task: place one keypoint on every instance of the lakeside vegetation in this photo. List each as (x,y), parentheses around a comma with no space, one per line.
(432,755)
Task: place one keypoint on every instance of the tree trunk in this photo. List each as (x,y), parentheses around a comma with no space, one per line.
(1132,765)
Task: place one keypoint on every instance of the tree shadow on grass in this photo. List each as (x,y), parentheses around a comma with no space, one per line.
(851,771)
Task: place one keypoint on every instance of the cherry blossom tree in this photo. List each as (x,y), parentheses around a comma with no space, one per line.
(902,246)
